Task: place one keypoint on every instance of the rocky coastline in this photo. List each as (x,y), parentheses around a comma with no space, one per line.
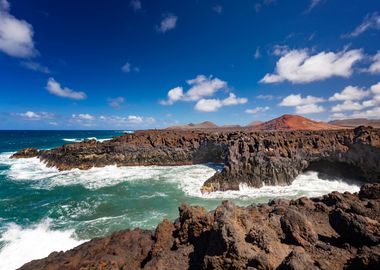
(336,231)
(254,158)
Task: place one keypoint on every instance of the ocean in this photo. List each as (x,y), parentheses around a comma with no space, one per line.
(43,210)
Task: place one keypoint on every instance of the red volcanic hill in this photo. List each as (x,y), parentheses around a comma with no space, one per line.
(293,122)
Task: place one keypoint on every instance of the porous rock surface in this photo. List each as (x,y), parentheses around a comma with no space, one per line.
(253,158)
(336,231)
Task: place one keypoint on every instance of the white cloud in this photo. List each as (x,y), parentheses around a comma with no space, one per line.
(218,9)
(174,95)
(350,93)
(371,21)
(135,119)
(136,5)
(55,88)
(309,108)
(257,109)
(208,105)
(351,97)
(303,105)
(213,105)
(116,102)
(200,87)
(233,100)
(169,22)
(16,36)
(348,105)
(375,66)
(30,115)
(83,116)
(203,86)
(298,66)
(297,100)
(35,66)
(373,113)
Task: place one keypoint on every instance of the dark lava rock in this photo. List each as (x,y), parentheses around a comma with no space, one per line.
(251,157)
(370,191)
(26,153)
(294,235)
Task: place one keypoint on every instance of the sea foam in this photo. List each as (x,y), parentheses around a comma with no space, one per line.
(188,178)
(25,244)
(82,139)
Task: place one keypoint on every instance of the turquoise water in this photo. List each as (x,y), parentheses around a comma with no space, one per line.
(43,210)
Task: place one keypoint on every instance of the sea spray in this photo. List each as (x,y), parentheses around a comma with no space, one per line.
(21,245)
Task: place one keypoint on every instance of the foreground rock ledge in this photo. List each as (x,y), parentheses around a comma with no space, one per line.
(336,231)
(252,158)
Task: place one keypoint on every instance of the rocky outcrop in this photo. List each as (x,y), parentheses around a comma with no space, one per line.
(336,231)
(253,158)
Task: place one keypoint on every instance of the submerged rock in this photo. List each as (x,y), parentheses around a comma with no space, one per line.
(320,233)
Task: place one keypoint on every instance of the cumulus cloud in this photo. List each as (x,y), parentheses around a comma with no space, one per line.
(116,102)
(309,108)
(35,66)
(200,88)
(136,5)
(55,88)
(372,113)
(16,36)
(168,22)
(303,105)
(350,93)
(348,105)
(371,21)
(213,105)
(257,110)
(375,66)
(30,115)
(297,100)
(174,95)
(351,97)
(298,66)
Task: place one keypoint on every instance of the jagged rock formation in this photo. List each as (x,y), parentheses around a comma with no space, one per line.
(253,158)
(336,231)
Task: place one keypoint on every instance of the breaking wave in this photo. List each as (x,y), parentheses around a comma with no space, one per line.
(21,245)
(187,178)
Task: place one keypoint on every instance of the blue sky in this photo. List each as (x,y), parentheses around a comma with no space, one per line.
(142,64)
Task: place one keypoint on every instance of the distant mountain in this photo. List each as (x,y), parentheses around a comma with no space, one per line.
(254,123)
(294,122)
(203,125)
(356,122)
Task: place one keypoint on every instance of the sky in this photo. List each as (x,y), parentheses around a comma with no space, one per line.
(150,64)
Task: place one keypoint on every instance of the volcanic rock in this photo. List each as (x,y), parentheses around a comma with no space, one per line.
(317,233)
